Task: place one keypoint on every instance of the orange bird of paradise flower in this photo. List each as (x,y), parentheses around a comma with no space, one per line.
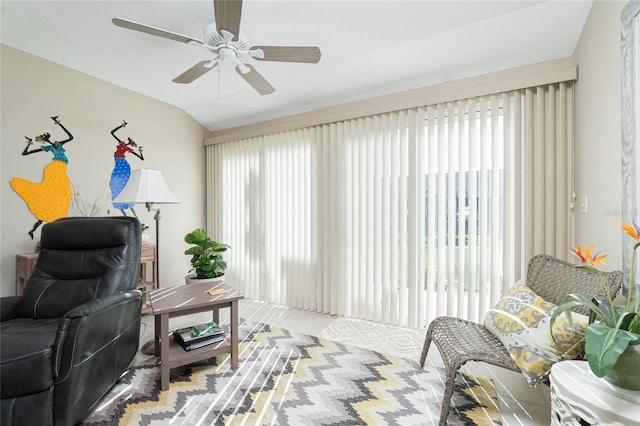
(632,230)
(587,257)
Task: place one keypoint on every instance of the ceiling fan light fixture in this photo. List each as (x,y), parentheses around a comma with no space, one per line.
(227,54)
(227,36)
(243,68)
(257,53)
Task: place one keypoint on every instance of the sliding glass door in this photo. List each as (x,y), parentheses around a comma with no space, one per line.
(402,216)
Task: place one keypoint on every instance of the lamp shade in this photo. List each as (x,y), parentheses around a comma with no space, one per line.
(146,186)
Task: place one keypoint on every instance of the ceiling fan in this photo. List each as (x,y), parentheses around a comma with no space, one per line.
(222,37)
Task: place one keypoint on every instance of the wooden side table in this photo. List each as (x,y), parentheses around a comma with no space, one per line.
(578,396)
(182,300)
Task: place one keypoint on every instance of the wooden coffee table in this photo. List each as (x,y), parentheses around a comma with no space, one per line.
(169,302)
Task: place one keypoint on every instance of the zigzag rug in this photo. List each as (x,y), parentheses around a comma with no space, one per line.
(288,378)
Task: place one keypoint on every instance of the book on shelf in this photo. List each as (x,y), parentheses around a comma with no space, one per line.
(200,343)
(196,333)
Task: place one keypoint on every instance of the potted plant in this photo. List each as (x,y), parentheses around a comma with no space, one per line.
(206,255)
(612,339)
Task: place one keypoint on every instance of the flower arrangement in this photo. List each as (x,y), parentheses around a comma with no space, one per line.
(206,254)
(612,328)
(85,207)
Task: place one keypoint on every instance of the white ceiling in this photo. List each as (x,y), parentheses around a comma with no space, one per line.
(369,48)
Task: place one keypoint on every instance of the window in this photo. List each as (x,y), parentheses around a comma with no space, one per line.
(402,216)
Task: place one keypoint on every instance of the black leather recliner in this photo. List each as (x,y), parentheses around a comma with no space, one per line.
(74,331)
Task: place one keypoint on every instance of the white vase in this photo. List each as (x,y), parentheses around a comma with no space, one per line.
(145,238)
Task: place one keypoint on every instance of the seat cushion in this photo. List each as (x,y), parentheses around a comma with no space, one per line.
(26,356)
(521,320)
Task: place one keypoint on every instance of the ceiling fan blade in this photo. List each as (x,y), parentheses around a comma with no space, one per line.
(195,71)
(227,16)
(254,78)
(153,31)
(306,54)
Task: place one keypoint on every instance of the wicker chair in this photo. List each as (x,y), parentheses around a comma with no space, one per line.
(460,341)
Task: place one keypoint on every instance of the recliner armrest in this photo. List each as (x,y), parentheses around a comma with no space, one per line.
(8,307)
(94,306)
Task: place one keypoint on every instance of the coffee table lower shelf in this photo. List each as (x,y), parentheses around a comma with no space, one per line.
(178,356)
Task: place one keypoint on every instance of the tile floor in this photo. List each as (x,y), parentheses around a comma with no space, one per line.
(519,405)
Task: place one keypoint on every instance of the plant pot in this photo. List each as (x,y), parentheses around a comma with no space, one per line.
(191,279)
(626,371)
(145,238)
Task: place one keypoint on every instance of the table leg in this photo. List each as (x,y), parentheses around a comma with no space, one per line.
(233,329)
(164,351)
(216,316)
(156,335)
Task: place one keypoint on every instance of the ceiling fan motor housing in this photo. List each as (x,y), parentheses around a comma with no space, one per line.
(216,41)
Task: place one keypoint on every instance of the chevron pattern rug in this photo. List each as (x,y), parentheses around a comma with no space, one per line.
(287,378)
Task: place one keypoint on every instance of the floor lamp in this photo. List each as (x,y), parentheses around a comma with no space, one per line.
(148,187)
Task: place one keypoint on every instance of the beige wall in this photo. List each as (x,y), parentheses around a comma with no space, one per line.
(32,90)
(598,144)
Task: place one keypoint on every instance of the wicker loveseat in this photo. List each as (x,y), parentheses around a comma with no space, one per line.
(460,341)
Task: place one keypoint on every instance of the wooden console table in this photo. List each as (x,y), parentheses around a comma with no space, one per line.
(148,254)
(24,267)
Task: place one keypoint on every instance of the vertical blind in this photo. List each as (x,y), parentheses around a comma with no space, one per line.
(398,217)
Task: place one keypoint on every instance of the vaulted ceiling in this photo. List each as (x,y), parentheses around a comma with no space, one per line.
(369,48)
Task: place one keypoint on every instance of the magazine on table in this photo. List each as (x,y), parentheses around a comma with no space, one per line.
(200,343)
(197,333)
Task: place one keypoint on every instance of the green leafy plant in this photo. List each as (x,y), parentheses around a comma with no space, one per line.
(206,254)
(612,328)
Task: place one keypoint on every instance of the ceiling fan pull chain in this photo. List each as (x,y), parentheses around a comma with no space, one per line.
(219,95)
